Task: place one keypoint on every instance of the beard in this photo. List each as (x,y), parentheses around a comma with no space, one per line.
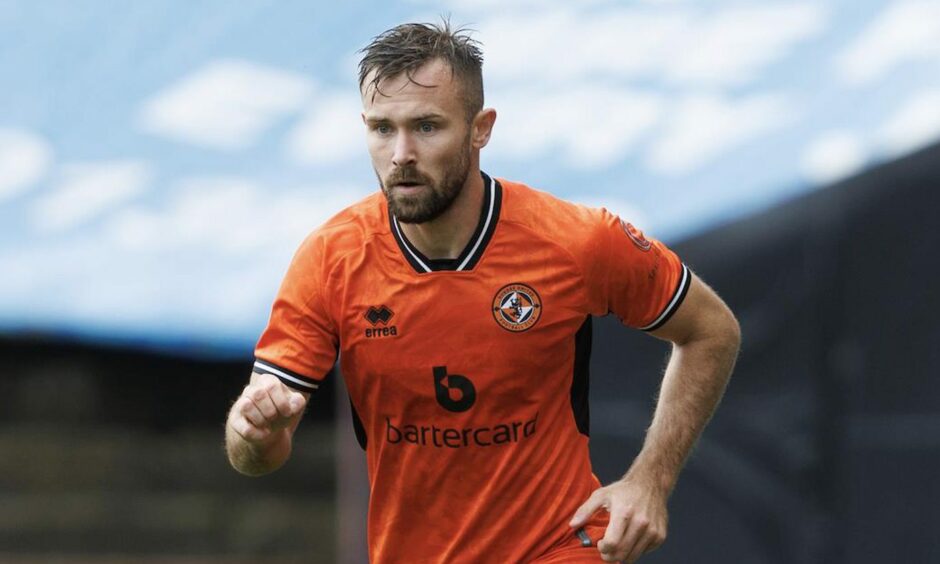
(436,197)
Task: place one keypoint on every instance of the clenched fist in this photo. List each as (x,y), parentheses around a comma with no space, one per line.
(265,406)
(260,425)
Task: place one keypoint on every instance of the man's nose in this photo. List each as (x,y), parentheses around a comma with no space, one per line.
(404,153)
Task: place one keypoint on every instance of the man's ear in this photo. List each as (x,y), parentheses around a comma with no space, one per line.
(482,127)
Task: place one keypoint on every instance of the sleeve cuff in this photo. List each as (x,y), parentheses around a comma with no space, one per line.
(292,379)
(685,280)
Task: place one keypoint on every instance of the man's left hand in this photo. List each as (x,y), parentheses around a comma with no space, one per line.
(638,519)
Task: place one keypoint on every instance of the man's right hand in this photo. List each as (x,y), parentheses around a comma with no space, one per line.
(265,407)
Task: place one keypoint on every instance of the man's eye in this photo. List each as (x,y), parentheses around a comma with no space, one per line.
(426,127)
(383,129)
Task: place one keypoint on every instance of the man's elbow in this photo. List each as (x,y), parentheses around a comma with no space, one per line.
(733,331)
(727,335)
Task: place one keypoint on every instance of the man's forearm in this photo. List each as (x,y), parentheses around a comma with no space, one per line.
(693,384)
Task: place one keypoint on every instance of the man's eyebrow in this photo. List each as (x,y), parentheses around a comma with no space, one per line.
(429,116)
(422,117)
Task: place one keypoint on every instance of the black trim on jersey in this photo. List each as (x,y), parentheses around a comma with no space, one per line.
(685,280)
(486,226)
(358,427)
(290,378)
(443,264)
(580,381)
(490,229)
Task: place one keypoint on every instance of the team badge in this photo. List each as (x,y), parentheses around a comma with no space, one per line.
(517,307)
(636,236)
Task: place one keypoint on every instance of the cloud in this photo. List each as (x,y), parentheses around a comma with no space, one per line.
(24,159)
(915,124)
(672,44)
(228,216)
(331,132)
(581,79)
(904,31)
(89,189)
(226,105)
(701,128)
(477,6)
(832,156)
(593,127)
(33,275)
(734,45)
(559,45)
(205,263)
(87,282)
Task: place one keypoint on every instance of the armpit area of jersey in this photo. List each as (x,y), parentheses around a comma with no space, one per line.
(290,378)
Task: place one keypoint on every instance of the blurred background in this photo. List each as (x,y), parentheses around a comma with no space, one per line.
(161,161)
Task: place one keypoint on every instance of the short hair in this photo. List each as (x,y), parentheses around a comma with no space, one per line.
(407,47)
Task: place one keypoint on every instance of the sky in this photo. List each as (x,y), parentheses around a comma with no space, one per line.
(161,161)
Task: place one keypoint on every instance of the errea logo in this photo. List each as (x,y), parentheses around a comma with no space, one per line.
(379,318)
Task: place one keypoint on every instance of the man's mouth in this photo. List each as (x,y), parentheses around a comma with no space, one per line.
(408,185)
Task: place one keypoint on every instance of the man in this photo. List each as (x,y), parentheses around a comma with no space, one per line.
(460,308)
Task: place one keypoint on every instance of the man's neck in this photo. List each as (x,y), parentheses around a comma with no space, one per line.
(446,236)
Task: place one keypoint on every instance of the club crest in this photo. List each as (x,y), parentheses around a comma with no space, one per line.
(517,307)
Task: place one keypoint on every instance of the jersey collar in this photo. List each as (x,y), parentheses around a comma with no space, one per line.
(492,202)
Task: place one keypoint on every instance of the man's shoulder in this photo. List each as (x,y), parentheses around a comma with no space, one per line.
(545,213)
(348,230)
(355,223)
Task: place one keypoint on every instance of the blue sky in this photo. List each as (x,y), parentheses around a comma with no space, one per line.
(160,162)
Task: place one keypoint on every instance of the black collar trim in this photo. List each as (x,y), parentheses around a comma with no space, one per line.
(492,203)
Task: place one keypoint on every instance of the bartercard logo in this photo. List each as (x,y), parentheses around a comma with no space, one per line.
(452,437)
(456,393)
(447,385)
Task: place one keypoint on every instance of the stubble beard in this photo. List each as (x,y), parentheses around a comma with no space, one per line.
(435,199)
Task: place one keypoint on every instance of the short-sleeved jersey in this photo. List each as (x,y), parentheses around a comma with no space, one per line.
(468,377)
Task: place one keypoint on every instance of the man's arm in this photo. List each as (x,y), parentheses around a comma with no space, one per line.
(261,424)
(706,338)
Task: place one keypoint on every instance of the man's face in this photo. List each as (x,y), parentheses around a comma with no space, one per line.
(419,141)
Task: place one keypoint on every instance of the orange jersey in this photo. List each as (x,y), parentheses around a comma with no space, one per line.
(468,377)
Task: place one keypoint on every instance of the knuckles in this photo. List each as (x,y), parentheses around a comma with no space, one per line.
(243,405)
(258,393)
(251,432)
